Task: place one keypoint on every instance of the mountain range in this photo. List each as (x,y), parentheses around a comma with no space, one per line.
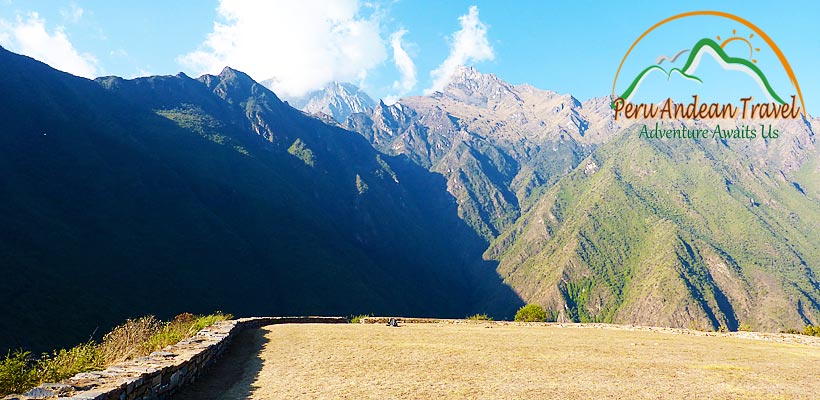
(495,143)
(599,225)
(170,193)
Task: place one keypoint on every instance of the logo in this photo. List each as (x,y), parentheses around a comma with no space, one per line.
(746,70)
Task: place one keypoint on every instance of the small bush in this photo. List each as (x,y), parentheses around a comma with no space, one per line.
(479,317)
(744,327)
(811,330)
(357,319)
(64,364)
(531,313)
(16,373)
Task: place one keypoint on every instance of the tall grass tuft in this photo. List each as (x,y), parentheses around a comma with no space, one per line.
(20,371)
(129,340)
(479,317)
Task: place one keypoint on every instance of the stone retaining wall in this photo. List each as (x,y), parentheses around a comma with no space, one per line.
(160,374)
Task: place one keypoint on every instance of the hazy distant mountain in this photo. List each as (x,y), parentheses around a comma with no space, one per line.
(165,194)
(337,99)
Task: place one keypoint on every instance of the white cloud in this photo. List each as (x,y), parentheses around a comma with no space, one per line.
(31,38)
(405,65)
(301,45)
(118,53)
(469,44)
(73,14)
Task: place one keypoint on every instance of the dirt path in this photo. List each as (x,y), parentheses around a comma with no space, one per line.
(421,361)
(233,376)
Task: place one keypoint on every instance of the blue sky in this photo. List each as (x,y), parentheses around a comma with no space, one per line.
(392,48)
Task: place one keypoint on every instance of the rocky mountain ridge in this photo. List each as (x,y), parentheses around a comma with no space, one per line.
(336,100)
(573,203)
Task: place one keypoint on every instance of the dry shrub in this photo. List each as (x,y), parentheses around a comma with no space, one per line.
(129,339)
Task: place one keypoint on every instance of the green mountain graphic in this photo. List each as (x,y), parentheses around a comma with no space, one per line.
(693,55)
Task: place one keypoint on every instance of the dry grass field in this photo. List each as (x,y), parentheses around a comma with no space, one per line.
(496,361)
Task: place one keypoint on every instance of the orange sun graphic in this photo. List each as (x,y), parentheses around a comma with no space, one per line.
(734,37)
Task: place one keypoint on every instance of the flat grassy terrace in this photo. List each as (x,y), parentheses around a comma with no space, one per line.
(490,360)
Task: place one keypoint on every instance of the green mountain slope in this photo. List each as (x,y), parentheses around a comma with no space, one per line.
(667,232)
(599,226)
(169,194)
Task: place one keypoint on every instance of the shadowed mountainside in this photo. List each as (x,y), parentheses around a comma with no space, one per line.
(167,194)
